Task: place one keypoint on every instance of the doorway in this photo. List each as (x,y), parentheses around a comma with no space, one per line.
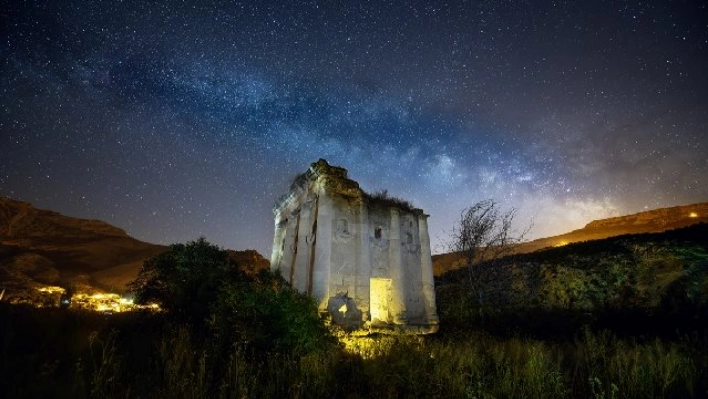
(380,298)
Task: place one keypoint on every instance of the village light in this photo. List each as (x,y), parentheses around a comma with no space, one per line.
(106,302)
(51,290)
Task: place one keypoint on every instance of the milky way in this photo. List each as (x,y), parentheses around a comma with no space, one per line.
(175,120)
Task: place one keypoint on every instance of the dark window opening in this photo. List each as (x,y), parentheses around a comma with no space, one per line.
(377,233)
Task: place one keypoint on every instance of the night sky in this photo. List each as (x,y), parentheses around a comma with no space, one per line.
(180,119)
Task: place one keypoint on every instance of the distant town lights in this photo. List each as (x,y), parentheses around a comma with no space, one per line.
(693,215)
(105,302)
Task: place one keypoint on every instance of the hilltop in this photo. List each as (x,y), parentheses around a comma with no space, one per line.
(41,247)
(653,221)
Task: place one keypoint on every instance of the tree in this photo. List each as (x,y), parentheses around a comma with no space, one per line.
(198,285)
(185,280)
(485,233)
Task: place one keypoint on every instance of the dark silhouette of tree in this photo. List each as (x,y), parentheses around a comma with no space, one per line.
(198,285)
(185,280)
(485,233)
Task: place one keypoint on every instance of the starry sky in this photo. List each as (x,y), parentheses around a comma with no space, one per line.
(180,119)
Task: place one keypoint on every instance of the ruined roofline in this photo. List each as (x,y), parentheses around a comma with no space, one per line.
(335,174)
(382,198)
(322,167)
(364,258)
(338,182)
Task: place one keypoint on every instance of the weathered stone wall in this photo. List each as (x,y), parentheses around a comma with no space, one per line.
(368,263)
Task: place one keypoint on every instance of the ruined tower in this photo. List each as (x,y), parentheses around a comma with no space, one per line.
(365,259)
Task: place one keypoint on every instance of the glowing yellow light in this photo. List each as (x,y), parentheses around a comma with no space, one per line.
(51,290)
(370,347)
(379,292)
(693,215)
(366,347)
(343,308)
(99,301)
(562,243)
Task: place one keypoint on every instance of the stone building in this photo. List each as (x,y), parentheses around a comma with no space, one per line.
(366,259)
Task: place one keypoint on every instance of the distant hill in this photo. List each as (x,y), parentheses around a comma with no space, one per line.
(41,247)
(654,221)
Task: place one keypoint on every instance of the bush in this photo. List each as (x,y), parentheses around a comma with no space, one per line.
(197,284)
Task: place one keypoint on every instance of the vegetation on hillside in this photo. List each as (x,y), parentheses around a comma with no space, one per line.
(248,335)
(660,276)
(484,233)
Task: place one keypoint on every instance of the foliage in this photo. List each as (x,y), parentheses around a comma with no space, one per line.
(137,355)
(186,280)
(534,352)
(383,198)
(269,314)
(197,284)
(631,283)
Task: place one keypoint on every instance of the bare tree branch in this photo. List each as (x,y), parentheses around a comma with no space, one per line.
(485,233)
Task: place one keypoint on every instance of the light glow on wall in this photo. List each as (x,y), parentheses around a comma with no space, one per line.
(379,294)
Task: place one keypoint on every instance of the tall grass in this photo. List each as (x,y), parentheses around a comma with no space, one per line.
(125,357)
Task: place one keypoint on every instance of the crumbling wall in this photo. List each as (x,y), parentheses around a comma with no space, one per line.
(365,259)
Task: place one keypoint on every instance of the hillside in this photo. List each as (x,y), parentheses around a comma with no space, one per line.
(654,221)
(41,247)
(662,275)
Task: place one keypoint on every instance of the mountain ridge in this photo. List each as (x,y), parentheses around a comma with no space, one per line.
(651,221)
(22,219)
(40,248)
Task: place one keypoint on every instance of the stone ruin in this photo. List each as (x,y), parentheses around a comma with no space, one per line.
(365,259)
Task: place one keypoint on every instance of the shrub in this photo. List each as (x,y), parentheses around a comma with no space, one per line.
(197,284)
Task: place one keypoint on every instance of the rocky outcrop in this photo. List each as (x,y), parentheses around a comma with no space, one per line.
(654,221)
